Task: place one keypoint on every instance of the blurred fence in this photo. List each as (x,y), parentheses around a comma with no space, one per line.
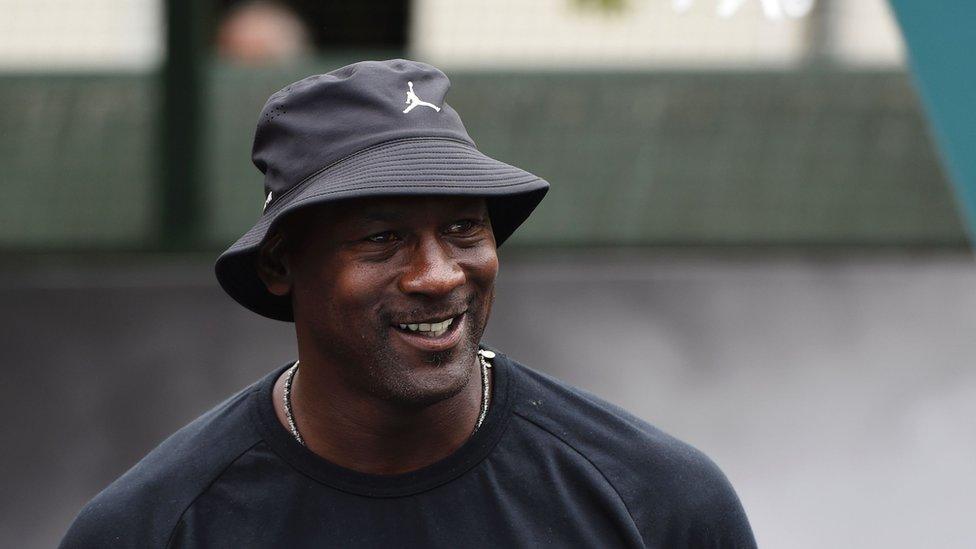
(78,160)
(776,157)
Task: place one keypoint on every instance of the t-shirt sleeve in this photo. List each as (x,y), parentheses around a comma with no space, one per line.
(101,525)
(140,509)
(143,506)
(676,496)
(705,510)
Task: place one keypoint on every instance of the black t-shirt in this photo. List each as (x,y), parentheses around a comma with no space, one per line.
(551,466)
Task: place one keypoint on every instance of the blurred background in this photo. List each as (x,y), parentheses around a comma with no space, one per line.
(756,237)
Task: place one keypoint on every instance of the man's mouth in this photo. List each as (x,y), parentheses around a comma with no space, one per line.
(430,328)
(432,334)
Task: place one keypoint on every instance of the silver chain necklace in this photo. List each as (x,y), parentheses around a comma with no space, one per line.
(483,357)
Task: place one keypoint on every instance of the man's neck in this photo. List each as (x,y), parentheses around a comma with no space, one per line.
(371,435)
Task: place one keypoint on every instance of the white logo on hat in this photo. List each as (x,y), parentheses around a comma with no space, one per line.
(267,201)
(414,101)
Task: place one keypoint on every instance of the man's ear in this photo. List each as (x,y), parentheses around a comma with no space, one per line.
(273,265)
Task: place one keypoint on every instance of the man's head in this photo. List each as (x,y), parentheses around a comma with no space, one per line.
(375,132)
(368,277)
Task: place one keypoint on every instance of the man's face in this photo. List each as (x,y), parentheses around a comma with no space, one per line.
(396,292)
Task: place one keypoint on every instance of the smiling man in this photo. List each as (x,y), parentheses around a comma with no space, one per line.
(395,426)
(390,298)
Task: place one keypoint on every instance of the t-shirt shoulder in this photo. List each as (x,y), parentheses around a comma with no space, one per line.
(141,508)
(662,481)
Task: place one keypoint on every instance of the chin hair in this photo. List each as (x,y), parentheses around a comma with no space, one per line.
(421,396)
(387,382)
(438,358)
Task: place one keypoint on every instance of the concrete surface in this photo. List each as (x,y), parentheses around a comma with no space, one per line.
(837,392)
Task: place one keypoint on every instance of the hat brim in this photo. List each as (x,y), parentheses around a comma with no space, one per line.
(405,167)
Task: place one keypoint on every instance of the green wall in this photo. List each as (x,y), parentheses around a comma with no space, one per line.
(762,158)
(76,160)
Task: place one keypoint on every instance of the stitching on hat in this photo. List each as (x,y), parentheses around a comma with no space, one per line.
(404,157)
(413,175)
(422,169)
(489,172)
(421,176)
(417,155)
(422,159)
(443,186)
(416,169)
(445,182)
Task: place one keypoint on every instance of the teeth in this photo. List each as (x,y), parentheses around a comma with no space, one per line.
(436,329)
(441,326)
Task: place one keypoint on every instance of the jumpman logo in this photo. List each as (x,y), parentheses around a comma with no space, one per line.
(413,101)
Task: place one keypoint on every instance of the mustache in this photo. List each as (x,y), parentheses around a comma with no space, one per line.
(441,310)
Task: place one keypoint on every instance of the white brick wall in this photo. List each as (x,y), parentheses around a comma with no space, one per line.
(646,33)
(128,34)
(48,35)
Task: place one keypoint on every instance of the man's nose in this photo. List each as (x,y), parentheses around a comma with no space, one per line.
(432,270)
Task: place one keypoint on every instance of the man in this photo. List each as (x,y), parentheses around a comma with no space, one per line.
(395,427)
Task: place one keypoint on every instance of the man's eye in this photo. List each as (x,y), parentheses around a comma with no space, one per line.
(463,226)
(382,238)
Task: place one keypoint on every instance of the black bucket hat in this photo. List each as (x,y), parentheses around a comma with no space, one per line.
(375,128)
